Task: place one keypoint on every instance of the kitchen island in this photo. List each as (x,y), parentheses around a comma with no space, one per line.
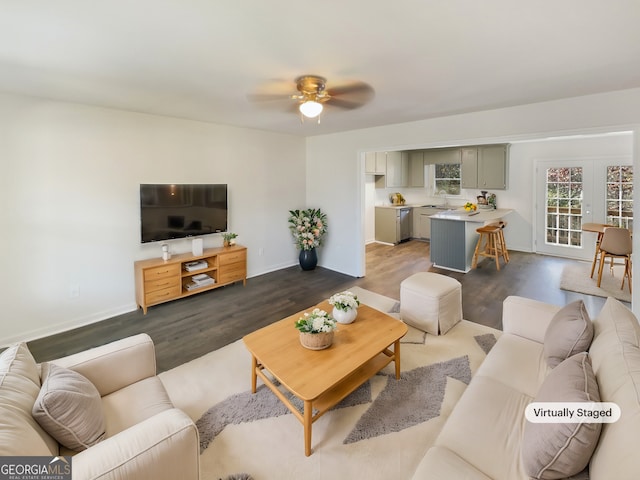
(454,237)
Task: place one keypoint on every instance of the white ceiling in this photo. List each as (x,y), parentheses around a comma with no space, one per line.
(200,59)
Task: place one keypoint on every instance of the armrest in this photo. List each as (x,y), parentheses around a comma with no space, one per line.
(165,446)
(526,317)
(115,365)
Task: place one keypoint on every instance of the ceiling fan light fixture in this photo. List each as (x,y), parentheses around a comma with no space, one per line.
(310,108)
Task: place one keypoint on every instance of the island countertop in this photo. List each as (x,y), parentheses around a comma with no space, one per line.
(479,216)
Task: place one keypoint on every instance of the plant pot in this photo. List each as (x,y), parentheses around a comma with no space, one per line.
(316,341)
(308,259)
(345,316)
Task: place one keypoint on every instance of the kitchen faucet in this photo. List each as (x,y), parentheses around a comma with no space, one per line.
(443,193)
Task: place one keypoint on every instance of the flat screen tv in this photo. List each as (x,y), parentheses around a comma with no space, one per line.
(170,211)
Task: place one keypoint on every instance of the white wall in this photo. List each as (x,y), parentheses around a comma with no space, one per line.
(335,160)
(69,184)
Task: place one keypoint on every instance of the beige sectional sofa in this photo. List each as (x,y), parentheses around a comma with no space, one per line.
(140,434)
(483,437)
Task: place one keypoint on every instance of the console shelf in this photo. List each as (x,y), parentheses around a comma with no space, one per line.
(159,281)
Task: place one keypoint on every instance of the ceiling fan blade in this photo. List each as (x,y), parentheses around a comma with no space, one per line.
(344,104)
(356,88)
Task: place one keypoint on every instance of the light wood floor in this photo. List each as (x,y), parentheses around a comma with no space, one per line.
(188,328)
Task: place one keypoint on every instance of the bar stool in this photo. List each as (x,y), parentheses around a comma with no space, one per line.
(494,244)
(503,243)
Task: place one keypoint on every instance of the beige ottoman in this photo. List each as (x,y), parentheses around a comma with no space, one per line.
(431,302)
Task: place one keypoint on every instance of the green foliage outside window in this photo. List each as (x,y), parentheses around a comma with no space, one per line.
(447,178)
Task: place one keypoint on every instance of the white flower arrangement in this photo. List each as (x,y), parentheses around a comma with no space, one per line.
(308,227)
(344,301)
(318,321)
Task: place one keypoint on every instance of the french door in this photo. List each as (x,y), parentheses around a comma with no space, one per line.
(565,200)
(570,193)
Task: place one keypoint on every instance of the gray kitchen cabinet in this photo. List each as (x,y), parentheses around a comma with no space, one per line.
(375,163)
(393,225)
(416,169)
(469,168)
(442,155)
(397,169)
(484,167)
(415,220)
(422,222)
(492,167)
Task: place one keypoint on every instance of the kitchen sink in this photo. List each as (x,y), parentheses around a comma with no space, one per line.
(439,207)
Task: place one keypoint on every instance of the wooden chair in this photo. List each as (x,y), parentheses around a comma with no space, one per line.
(616,243)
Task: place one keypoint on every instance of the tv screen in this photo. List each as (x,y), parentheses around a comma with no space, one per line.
(178,211)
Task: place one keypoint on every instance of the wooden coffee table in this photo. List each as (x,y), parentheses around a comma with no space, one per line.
(322,378)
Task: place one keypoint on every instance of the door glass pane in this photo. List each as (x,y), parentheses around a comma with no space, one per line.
(564,206)
(619,200)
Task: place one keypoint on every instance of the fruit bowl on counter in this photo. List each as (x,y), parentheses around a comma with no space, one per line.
(470,207)
(397,199)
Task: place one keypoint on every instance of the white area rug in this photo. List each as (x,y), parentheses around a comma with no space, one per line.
(576,278)
(382,430)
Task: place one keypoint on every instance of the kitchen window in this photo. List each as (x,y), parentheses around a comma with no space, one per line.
(447,178)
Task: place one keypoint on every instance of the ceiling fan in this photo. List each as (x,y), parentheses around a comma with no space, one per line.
(313,94)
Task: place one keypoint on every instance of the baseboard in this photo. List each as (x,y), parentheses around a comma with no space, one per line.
(69,325)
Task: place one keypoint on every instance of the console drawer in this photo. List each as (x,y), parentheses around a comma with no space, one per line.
(228,258)
(162,295)
(162,272)
(161,283)
(232,273)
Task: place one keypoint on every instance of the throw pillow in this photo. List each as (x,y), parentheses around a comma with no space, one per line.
(69,408)
(569,332)
(559,450)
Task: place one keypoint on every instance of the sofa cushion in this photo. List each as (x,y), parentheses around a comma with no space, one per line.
(133,404)
(485,427)
(20,434)
(569,332)
(69,408)
(615,355)
(559,450)
(516,362)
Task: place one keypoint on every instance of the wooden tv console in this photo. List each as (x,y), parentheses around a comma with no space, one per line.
(159,281)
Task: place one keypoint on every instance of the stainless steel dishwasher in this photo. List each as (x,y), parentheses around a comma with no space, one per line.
(405,224)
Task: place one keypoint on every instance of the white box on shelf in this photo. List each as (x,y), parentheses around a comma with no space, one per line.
(197,245)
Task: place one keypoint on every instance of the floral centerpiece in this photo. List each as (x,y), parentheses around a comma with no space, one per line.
(345,306)
(344,300)
(316,329)
(308,227)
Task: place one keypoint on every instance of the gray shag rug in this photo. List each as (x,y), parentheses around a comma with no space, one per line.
(576,277)
(256,433)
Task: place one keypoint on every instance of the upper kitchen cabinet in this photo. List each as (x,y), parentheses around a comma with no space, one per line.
(416,169)
(442,155)
(484,167)
(397,169)
(375,163)
(469,167)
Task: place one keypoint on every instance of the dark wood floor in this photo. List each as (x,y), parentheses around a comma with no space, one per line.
(188,328)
